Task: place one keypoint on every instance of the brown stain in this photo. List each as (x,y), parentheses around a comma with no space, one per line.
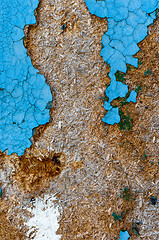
(86,196)
(8,231)
(34,175)
(30,175)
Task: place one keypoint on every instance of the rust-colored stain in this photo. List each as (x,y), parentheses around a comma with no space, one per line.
(96,162)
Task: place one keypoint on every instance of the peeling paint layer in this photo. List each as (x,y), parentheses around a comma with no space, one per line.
(127,26)
(24,94)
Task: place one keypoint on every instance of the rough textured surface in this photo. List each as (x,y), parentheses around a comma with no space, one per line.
(44,223)
(24,95)
(127,26)
(100,161)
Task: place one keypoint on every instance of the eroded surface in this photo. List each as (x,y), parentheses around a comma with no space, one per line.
(44,223)
(127,26)
(24,95)
(99,161)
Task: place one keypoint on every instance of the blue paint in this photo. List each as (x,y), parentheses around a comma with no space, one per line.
(127,26)
(107,105)
(124,235)
(24,94)
(132,97)
(112,116)
(116,89)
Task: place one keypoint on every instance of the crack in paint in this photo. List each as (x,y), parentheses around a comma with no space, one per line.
(24,94)
(127,26)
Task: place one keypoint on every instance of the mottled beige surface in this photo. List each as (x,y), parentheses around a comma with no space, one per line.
(97,161)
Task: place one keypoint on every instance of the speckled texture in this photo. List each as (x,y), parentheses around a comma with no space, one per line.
(24,95)
(100,161)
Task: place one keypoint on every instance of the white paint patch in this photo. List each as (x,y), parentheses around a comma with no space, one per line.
(44,223)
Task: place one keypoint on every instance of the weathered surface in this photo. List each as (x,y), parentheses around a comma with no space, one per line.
(44,223)
(100,162)
(127,26)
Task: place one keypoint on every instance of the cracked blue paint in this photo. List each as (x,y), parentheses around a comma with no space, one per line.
(124,235)
(24,94)
(127,26)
